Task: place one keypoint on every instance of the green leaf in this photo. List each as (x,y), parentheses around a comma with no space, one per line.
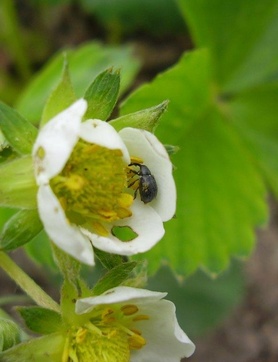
(44,349)
(102,95)
(202,302)
(17,185)
(186,85)
(85,63)
(19,133)
(39,250)
(41,320)
(61,98)
(9,334)
(109,261)
(146,119)
(221,195)
(254,114)
(241,36)
(20,229)
(114,277)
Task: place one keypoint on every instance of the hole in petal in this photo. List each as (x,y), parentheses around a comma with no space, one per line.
(124,233)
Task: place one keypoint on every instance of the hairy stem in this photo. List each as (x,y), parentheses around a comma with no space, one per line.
(26,283)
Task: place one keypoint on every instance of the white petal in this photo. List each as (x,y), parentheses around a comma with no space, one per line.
(145,145)
(101,133)
(166,341)
(118,295)
(65,236)
(144,221)
(57,139)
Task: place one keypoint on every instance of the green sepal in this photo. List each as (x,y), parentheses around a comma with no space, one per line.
(114,277)
(43,349)
(61,98)
(41,320)
(146,119)
(18,187)
(109,261)
(9,334)
(171,149)
(19,133)
(73,287)
(20,229)
(102,95)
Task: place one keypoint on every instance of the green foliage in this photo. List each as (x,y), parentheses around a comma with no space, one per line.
(39,250)
(146,119)
(41,320)
(61,98)
(19,133)
(85,63)
(43,349)
(114,277)
(157,17)
(202,302)
(222,116)
(20,229)
(9,334)
(18,188)
(241,37)
(102,95)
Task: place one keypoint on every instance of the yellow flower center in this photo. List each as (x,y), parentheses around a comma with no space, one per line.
(109,336)
(92,187)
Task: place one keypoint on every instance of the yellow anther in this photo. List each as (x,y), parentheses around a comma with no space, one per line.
(81,335)
(141,317)
(125,200)
(129,309)
(136,331)
(109,215)
(134,159)
(123,213)
(99,229)
(136,342)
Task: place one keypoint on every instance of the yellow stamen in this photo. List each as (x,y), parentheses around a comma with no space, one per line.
(99,229)
(141,317)
(134,159)
(136,342)
(129,309)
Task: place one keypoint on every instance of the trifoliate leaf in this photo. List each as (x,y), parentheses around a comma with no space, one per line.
(19,133)
(17,184)
(241,36)
(61,98)
(41,320)
(146,119)
(102,95)
(21,228)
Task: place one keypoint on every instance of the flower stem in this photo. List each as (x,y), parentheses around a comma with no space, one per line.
(26,283)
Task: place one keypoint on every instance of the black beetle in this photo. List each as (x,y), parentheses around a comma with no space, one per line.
(147,184)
